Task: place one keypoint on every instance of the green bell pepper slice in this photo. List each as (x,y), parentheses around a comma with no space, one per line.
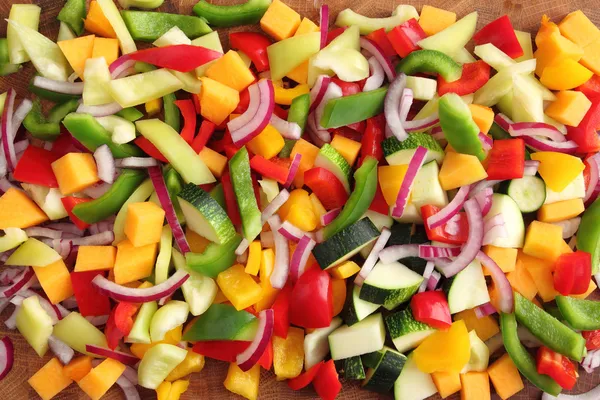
(299,110)
(148,26)
(131,114)
(73,14)
(38,126)
(360,199)
(430,61)
(219,322)
(288,146)
(458,126)
(580,314)
(174,185)
(550,331)
(358,107)
(92,135)
(140,194)
(60,111)
(110,202)
(588,236)
(239,168)
(215,259)
(172,113)
(522,359)
(248,13)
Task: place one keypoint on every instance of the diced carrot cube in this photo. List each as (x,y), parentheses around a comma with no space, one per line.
(482,116)
(506,258)
(133,263)
(216,162)
(569,108)
(505,377)
(434,20)
(90,258)
(338,289)
(561,211)
(348,148)
(75,172)
(77,51)
(217,100)
(19,211)
(579,29)
(50,380)
(268,143)
(591,57)
(475,386)
(543,241)
(144,222)
(96,22)
(230,70)
(97,382)
(485,327)
(556,47)
(520,279)
(55,279)
(306,26)
(447,383)
(78,368)
(107,48)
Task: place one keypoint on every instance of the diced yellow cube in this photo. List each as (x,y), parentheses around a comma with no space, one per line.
(288,354)
(447,383)
(318,208)
(254,256)
(505,377)
(578,28)
(133,263)
(97,382)
(348,148)
(482,116)
(554,48)
(243,383)
(561,210)
(107,48)
(144,222)
(267,263)
(75,172)
(216,162)
(485,327)
(506,258)
(153,107)
(459,170)
(217,100)
(543,241)
(434,20)
(91,258)
(557,169)
(344,270)
(239,287)
(565,74)
(306,26)
(268,143)
(55,280)
(197,243)
(530,262)
(280,21)
(230,70)
(569,108)
(50,380)
(591,57)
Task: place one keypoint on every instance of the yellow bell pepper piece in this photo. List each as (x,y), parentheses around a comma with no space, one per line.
(254,255)
(239,287)
(579,29)
(288,354)
(318,208)
(153,107)
(268,143)
(177,389)
(348,148)
(344,270)
(543,241)
(298,197)
(459,170)
(390,180)
(557,169)
(482,116)
(302,217)
(243,383)
(309,154)
(434,20)
(193,362)
(554,48)
(163,390)
(565,74)
(267,263)
(485,327)
(338,289)
(569,108)
(171,337)
(280,21)
(285,96)
(444,350)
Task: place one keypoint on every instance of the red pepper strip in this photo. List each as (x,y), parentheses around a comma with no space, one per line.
(188,111)
(269,169)
(312,300)
(431,308)
(592,339)
(218,145)
(281,308)
(379,204)
(591,88)
(572,273)
(506,160)
(326,382)
(112,332)
(348,88)
(89,301)
(254,45)
(124,312)
(35,166)
(148,148)
(501,34)
(69,202)
(474,76)
(206,130)
(404,38)
(585,134)
(327,187)
(230,201)
(381,38)
(207,187)
(266,360)
(222,350)
(439,233)
(256,187)
(304,379)
(557,366)
(348,133)
(179,57)
(280,112)
(372,138)
(244,102)
(334,33)
(196,100)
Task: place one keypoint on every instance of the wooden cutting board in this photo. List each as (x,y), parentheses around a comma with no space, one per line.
(208,384)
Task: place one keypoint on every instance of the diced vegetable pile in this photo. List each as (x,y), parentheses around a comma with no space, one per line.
(369,202)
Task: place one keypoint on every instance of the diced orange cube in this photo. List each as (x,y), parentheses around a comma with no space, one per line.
(217,100)
(569,108)
(447,383)
(197,243)
(543,240)
(460,169)
(348,148)
(555,48)
(561,211)
(239,287)
(533,262)
(55,279)
(280,21)
(520,279)
(390,181)
(216,162)
(565,74)
(591,57)
(475,386)
(107,48)
(230,70)
(90,258)
(268,143)
(144,222)
(78,368)
(75,172)
(50,380)
(544,281)
(300,73)
(505,377)
(485,327)
(338,289)
(547,28)
(434,20)
(19,211)
(133,263)
(344,270)
(482,116)
(506,258)
(309,153)
(96,22)
(97,382)
(578,28)
(77,51)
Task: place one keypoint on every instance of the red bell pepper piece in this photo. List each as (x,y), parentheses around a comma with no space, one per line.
(372,138)
(572,273)
(281,309)
(64,144)
(68,203)
(112,332)
(382,40)
(196,100)
(188,111)
(326,382)
(89,301)
(312,299)
(148,148)
(591,88)
(592,339)
(474,76)
(244,102)
(269,169)
(501,34)
(557,366)
(379,204)
(230,202)
(439,233)
(222,350)
(179,57)
(280,112)
(348,88)
(332,34)
(35,166)
(206,130)
(431,308)
(254,45)
(124,312)
(304,379)
(404,37)
(585,134)
(506,159)
(348,133)
(327,187)
(266,360)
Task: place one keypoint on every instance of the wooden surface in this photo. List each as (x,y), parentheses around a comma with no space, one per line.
(208,384)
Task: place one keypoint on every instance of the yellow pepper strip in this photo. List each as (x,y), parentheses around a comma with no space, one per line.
(153,107)
(288,354)
(163,390)
(254,255)
(178,388)
(193,362)
(243,383)
(285,96)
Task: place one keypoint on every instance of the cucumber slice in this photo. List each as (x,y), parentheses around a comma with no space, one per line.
(161,269)
(157,364)
(95,87)
(480,355)
(27,15)
(452,39)
(356,309)
(467,289)
(423,88)
(574,190)
(381,378)
(199,291)
(33,253)
(529,192)
(76,331)
(513,221)
(380,221)
(169,316)
(239,167)
(48,199)
(352,368)
(12,238)
(316,345)
(346,243)
(390,284)
(34,324)
(406,332)
(140,332)
(204,215)
(371,360)
(330,159)
(364,337)
(427,188)
(398,153)
(412,384)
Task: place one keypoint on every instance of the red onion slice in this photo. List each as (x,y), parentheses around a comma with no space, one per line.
(373,256)
(494,228)
(486,141)
(482,185)
(427,251)
(398,252)
(37,231)
(442,216)
(484,199)
(260,119)
(100,239)
(318,91)
(289,130)
(318,136)
(97,320)
(292,232)
(58,86)
(379,54)
(165,201)
(438,134)
(568,147)
(485,310)
(333,92)
(405,103)
(127,359)
(246,117)
(249,357)
(128,387)
(531,167)
(98,190)
(20,146)
(66,227)
(105,164)
(8,275)
(275,205)
(391,108)
(536,129)
(103,110)
(7,356)
(300,257)
(330,216)
(426,275)
(137,162)
(422,124)
(11,322)
(63,247)
(377,75)
(433,280)
(281,270)
(506,296)
(324,24)
(127,72)
(21,282)
(120,64)
(61,350)
(503,121)
(294,166)
(7,131)
(123,293)
(18,117)
(415,164)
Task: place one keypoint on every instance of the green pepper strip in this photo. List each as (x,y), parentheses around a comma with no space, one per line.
(360,199)
(588,236)
(215,259)
(60,111)
(73,14)
(579,313)
(430,61)
(174,186)
(299,110)
(354,108)
(522,359)
(149,26)
(248,13)
(131,114)
(38,126)
(112,201)
(172,113)
(459,128)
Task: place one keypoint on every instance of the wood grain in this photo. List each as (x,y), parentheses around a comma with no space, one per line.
(208,384)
